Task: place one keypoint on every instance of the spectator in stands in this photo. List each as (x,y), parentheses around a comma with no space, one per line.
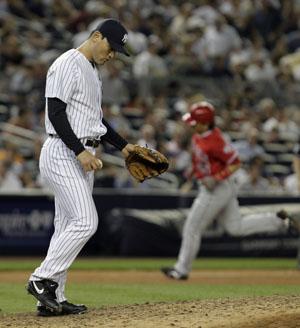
(260,69)
(272,136)
(270,116)
(249,148)
(137,40)
(24,119)
(208,11)
(288,129)
(116,121)
(240,42)
(268,19)
(254,182)
(292,182)
(147,137)
(148,67)
(197,43)
(114,88)
(9,180)
(267,110)
(179,22)
(221,38)
(177,151)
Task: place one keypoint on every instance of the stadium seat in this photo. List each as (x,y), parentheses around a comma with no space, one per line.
(275,148)
(285,159)
(277,170)
(269,158)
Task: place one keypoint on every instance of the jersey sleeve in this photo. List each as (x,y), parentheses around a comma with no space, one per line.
(224,152)
(61,80)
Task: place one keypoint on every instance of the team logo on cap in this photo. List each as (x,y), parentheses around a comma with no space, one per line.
(125,38)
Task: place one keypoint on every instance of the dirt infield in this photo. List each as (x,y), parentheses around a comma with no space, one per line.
(259,312)
(222,277)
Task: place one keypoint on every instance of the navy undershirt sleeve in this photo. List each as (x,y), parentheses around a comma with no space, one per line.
(113,137)
(58,117)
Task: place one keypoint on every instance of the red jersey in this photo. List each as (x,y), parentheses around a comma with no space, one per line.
(211,154)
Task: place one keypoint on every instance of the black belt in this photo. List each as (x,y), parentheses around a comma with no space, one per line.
(89,142)
(92,143)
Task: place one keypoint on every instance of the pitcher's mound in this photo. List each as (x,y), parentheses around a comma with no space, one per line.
(258,312)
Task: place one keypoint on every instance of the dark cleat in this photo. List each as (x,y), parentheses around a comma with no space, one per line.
(173,274)
(282,214)
(67,308)
(44,291)
(293,221)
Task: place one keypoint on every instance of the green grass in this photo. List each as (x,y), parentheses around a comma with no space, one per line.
(15,299)
(154,264)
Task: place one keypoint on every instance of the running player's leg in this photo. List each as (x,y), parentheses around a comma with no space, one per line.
(237,225)
(204,210)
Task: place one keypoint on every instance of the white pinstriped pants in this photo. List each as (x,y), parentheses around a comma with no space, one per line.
(222,205)
(76,218)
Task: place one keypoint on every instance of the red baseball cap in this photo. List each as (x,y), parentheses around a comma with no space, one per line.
(201,112)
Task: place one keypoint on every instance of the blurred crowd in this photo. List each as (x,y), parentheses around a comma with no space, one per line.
(241,55)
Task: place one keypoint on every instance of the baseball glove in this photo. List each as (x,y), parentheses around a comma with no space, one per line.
(145,163)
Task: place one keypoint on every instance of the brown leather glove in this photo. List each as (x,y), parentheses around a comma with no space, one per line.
(145,163)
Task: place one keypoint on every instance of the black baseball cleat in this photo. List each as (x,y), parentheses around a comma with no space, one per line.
(293,221)
(282,214)
(67,308)
(44,291)
(173,274)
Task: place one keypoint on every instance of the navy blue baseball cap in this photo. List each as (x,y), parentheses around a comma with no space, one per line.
(115,33)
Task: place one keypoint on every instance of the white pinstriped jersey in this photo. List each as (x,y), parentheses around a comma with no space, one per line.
(72,79)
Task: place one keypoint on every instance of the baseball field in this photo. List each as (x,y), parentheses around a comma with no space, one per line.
(231,293)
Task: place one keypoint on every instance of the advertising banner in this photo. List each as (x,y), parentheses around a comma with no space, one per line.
(136,223)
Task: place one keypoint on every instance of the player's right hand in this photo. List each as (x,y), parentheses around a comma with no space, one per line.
(89,162)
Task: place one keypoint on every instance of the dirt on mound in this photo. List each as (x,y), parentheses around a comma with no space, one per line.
(258,312)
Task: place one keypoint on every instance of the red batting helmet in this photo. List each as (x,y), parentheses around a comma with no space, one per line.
(200,112)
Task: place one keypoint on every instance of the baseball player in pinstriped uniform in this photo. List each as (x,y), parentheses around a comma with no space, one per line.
(75,125)
(214,161)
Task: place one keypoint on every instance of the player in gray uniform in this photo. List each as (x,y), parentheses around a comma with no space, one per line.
(214,161)
(75,126)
